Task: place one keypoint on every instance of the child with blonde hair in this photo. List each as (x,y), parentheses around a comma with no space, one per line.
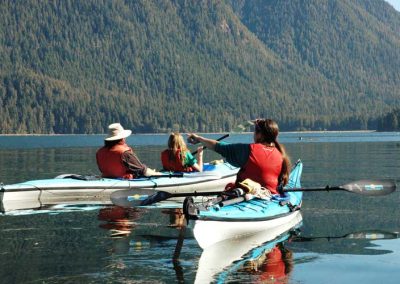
(178,158)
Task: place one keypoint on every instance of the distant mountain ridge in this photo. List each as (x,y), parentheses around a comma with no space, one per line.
(155,66)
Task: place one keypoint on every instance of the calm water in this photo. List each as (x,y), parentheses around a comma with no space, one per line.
(344,238)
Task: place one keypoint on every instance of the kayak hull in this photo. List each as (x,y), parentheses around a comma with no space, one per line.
(223,230)
(212,224)
(38,193)
(238,251)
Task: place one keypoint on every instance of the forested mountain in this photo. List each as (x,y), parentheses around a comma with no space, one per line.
(353,45)
(73,66)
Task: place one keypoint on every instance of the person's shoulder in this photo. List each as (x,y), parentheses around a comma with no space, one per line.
(100,149)
(165,153)
(127,150)
(255,145)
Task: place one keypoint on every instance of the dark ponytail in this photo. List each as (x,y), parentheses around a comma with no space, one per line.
(286,165)
(270,130)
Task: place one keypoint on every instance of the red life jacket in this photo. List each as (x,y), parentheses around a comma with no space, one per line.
(274,267)
(174,165)
(109,161)
(263,166)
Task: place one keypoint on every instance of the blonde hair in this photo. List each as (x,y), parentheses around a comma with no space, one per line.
(177,143)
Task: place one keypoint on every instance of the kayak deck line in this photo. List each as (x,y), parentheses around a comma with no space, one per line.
(246,219)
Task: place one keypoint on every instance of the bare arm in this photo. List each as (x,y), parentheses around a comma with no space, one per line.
(199,165)
(194,139)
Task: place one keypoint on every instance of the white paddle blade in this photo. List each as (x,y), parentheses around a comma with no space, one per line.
(371,187)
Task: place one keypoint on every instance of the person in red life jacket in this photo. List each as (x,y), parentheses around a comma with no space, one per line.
(264,161)
(117,160)
(177,157)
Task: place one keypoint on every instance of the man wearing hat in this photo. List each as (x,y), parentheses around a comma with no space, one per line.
(116,159)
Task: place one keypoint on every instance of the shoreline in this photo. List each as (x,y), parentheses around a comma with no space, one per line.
(206,133)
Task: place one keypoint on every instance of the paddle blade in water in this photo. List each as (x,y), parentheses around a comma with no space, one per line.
(157,197)
(370,187)
(127,198)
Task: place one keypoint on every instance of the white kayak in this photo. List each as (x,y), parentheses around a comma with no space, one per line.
(76,189)
(236,252)
(213,223)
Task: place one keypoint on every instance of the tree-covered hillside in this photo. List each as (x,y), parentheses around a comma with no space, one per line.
(75,66)
(353,44)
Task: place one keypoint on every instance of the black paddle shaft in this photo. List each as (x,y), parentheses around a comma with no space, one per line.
(163,195)
(219,139)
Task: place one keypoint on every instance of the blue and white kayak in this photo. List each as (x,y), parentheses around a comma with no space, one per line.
(75,189)
(214,223)
(240,252)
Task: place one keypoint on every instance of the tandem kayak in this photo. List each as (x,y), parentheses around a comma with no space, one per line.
(215,223)
(74,189)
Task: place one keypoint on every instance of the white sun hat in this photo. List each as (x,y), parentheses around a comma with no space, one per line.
(116,132)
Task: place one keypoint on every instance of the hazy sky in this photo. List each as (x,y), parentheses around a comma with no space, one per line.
(395,4)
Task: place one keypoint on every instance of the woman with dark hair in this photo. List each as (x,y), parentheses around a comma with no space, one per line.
(117,160)
(265,161)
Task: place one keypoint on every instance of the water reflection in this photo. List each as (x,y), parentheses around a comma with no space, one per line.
(268,257)
(140,231)
(64,246)
(156,222)
(52,209)
(119,220)
(355,243)
(261,255)
(274,265)
(137,228)
(156,245)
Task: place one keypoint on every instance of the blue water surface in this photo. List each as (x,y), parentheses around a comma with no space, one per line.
(344,237)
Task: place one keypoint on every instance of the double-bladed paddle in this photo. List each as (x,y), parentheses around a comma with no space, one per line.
(363,187)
